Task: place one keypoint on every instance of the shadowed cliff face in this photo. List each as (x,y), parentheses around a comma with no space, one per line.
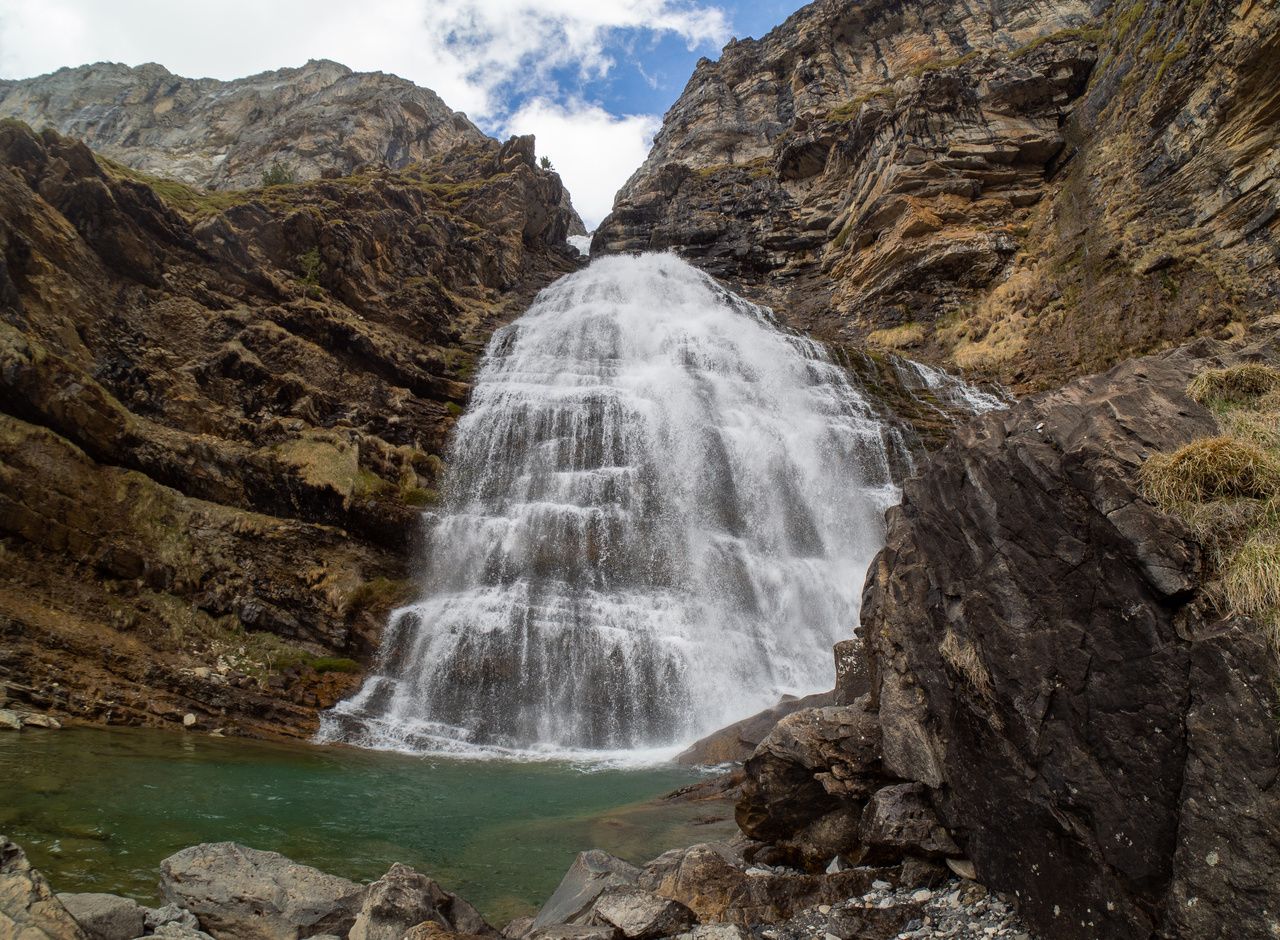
(1031,190)
(221,415)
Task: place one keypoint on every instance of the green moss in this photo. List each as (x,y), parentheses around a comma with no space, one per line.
(190,201)
(420,496)
(334,664)
(1126,21)
(1172,57)
(851,109)
(1077,32)
(937,65)
(454,409)
(379,594)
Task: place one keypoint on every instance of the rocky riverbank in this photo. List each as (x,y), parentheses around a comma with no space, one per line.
(225,891)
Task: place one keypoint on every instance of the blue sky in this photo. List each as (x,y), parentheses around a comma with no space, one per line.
(591,78)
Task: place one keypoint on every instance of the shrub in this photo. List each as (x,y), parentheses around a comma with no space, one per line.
(277,175)
(1211,468)
(545,162)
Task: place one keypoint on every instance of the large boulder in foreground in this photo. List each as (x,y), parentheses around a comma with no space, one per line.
(587,878)
(239,893)
(1101,746)
(106,916)
(28,908)
(403,898)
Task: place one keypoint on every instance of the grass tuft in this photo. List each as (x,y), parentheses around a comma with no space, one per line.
(1211,468)
(1238,385)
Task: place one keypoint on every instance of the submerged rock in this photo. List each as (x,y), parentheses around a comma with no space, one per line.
(106,916)
(29,910)
(239,893)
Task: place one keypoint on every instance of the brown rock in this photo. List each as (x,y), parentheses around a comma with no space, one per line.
(28,908)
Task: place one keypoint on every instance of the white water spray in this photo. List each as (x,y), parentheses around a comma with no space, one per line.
(659,514)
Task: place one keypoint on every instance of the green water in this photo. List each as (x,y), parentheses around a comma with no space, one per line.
(97,810)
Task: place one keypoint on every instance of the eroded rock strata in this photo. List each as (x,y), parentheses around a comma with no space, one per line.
(222,414)
(1029,191)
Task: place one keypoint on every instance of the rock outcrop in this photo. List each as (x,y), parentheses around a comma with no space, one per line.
(1056,705)
(321,119)
(221,416)
(1103,744)
(1030,190)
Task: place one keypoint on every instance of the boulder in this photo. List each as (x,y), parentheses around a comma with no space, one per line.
(738,741)
(106,916)
(180,931)
(576,932)
(640,915)
(28,908)
(10,720)
(239,893)
(404,898)
(715,882)
(807,781)
(157,917)
(588,876)
(41,721)
(899,821)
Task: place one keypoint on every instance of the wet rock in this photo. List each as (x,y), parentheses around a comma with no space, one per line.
(106,916)
(10,720)
(640,915)
(591,873)
(41,721)
(576,932)
(899,821)
(404,898)
(738,741)
(28,908)
(239,893)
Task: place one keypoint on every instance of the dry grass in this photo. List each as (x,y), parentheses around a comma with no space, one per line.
(963,658)
(897,337)
(1227,489)
(1235,384)
(1211,468)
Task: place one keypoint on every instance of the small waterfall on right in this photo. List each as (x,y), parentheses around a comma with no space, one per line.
(659,511)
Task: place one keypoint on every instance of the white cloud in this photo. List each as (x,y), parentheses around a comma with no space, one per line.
(593,150)
(478,55)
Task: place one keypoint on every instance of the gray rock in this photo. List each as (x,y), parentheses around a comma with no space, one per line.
(10,720)
(640,915)
(404,898)
(575,932)
(41,721)
(239,893)
(714,932)
(180,931)
(156,917)
(28,908)
(106,916)
(520,927)
(589,875)
(900,821)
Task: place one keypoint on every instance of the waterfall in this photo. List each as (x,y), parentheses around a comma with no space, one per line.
(659,511)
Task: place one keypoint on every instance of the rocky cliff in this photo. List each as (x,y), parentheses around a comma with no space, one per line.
(1066,688)
(221,415)
(1028,190)
(322,119)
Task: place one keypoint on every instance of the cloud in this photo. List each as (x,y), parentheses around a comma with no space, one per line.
(593,150)
(497,60)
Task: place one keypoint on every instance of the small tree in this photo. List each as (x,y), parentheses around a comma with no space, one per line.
(546,163)
(277,174)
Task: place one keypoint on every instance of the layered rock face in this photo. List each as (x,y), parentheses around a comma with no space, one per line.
(1053,695)
(221,416)
(322,119)
(958,179)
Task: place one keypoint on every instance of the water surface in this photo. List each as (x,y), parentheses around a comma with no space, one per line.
(97,810)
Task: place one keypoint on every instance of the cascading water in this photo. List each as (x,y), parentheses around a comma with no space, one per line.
(659,513)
